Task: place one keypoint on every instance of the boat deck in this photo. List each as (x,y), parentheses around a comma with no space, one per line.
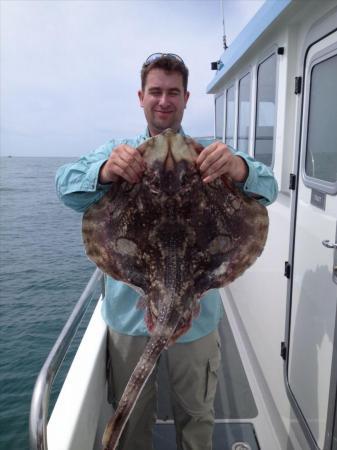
(226,436)
(234,401)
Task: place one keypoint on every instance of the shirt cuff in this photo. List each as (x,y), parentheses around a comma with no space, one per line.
(252,179)
(91,182)
(251,186)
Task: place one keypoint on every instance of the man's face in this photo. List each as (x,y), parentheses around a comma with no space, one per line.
(163,100)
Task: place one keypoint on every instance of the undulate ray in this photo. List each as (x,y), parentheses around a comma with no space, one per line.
(173,238)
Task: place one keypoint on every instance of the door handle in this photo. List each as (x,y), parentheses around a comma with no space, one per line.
(329,244)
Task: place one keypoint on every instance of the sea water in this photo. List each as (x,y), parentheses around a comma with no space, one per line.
(43,272)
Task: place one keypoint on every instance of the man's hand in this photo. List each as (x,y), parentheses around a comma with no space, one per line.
(216,160)
(125,162)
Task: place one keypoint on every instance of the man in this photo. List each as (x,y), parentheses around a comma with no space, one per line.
(193,361)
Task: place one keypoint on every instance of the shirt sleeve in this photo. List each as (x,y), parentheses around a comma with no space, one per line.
(77,184)
(260,182)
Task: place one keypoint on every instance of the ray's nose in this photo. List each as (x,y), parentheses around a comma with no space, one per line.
(170,162)
(170,180)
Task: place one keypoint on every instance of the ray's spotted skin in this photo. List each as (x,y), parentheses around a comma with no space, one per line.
(173,237)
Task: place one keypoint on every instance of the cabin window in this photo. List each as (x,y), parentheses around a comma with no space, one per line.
(321,154)
(219,116)
(230,111)
(244,113)
(265,110)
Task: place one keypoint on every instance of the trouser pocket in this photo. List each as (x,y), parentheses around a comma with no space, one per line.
(211,378)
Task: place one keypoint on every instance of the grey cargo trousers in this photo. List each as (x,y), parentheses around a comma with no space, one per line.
(192,372)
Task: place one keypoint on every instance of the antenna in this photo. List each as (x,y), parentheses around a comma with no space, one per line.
(223,25)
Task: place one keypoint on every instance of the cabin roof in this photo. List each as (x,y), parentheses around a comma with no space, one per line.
(264,17)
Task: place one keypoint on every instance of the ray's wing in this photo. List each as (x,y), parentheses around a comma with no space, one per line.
(231,235)
(116,235)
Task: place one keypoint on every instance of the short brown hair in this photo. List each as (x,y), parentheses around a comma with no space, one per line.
(168,64)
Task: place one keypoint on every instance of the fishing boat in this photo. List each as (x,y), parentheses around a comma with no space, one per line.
(275,97)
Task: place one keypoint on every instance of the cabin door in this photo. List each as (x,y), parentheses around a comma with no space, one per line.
(312,329)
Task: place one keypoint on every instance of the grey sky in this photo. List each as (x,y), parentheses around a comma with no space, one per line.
(70,69)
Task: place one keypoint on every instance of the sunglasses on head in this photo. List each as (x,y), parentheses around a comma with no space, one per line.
(156,56)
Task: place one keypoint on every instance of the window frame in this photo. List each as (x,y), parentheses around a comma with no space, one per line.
(311,182)
(267,55)
(216,97)
(231,85)
(240,78)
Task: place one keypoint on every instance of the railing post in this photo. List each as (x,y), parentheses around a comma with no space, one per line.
(40,399)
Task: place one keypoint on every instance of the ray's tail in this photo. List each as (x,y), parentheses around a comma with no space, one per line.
(132,391)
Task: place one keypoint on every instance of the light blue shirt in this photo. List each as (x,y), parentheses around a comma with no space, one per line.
(78,187)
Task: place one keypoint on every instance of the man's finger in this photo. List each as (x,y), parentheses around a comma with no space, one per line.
(124,171)
(205,152)
(135,155)
(132,162)
(130,172)
(210,178)
(211,158)
(218,167)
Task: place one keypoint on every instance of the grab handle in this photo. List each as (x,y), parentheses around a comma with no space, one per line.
(329,244)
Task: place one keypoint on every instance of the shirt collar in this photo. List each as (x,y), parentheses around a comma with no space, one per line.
(147,132)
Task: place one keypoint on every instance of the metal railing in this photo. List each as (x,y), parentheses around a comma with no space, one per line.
(40,399)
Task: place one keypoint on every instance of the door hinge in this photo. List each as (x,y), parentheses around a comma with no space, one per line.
(298,85)
(292,181)
(283,351)
(287,268)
